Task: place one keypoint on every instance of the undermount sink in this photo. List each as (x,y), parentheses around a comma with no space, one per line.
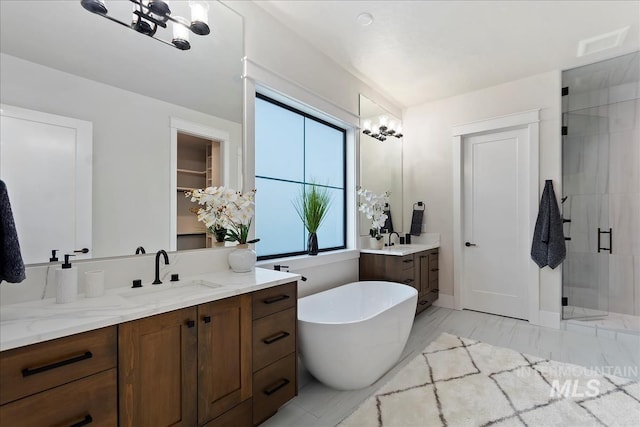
(150,293)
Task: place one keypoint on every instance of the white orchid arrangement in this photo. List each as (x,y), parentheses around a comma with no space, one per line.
(224,208)
(373,206)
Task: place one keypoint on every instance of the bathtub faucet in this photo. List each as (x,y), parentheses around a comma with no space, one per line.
(391,234)
(279,267)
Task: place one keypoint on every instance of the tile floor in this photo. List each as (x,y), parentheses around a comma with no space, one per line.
(317,405)
(613,322)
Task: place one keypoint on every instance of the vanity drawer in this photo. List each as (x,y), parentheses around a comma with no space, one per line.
(433,270)
(89,401)
(409,278)
(424,302)
(34,368)
(403,263)
(239,416)
(273,386)
(272,300)
(274,337)
(406,277)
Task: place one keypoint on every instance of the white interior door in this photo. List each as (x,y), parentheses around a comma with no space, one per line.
(496,223)
(45,161)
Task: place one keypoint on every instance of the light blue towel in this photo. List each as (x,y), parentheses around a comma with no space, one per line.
(11,265)
(548,246)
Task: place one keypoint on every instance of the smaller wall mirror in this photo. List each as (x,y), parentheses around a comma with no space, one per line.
(380,163)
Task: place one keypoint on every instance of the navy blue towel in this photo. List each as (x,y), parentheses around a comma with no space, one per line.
(548,247)
(11,265)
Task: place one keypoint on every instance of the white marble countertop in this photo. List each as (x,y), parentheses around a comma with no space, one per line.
(41,320)
(401,250)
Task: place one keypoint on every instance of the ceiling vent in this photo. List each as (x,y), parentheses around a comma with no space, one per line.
(602,42)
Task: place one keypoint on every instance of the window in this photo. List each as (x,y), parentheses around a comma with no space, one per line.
(294,149)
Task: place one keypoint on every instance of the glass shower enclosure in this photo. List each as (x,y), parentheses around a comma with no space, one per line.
(601,188)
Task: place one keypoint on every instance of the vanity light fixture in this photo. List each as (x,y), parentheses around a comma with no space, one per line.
(382,129)
(148,15)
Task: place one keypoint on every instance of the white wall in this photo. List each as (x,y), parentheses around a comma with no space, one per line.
(284,56)
(283,52)
(131,149)
(427,155)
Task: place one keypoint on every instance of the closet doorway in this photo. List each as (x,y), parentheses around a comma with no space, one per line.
(198,158)
(198,167)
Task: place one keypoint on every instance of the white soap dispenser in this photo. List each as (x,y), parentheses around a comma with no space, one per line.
(66,282)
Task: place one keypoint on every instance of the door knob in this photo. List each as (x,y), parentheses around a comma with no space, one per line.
(467,244)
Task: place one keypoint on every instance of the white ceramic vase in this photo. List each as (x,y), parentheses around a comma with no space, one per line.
(376,243)
(242,259)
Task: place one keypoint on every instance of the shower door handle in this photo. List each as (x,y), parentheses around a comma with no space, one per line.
(610,233)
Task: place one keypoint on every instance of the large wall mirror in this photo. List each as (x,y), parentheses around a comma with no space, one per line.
(59,59)
(380,163)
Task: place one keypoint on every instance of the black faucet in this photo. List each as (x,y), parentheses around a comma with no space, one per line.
(140,250)
(166,262)
(279,267)
(391,234)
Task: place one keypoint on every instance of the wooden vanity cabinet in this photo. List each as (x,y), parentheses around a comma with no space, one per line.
(274,349)
(419,270)
(157,363)
(186,367)
(66,381)
(227,363)
(428,292)
(224,356)
(393,268)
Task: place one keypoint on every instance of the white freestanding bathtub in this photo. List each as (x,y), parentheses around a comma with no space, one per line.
(351,335)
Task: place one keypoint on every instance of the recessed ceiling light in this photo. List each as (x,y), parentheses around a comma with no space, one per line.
(365,19)
(602,42)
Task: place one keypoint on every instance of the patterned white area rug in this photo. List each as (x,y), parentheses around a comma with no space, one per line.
(460,382)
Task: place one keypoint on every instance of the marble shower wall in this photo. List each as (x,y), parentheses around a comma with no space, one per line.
(601,179)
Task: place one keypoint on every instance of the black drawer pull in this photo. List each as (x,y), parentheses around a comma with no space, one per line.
(408,280)
(407,260)
(86,421)
(276,299)
(276,337)
(206,319)
(191,323)
(435,290)
(281,383)
(435,269)
(424,302)
(32,371)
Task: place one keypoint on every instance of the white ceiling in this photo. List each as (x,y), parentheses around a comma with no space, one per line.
(420,51)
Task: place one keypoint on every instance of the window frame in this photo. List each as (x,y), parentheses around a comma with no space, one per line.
(344,131)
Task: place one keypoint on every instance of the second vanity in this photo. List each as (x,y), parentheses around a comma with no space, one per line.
(414,265)
(215,349)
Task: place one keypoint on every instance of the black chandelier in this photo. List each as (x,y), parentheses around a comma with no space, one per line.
(382,129)
(148,15)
